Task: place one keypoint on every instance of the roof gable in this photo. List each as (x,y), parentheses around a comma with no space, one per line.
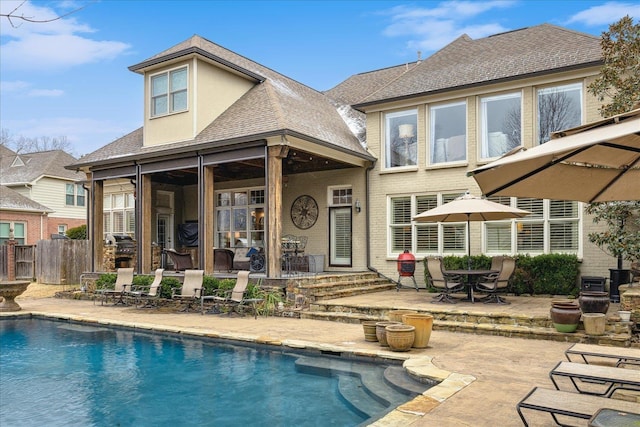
(27,168)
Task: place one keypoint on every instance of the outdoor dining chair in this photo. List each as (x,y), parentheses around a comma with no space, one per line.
(497,282)
(446,284)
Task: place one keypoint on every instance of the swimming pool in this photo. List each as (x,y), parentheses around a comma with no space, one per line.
(62,373)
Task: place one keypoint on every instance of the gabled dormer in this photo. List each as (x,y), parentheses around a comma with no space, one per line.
(188,86)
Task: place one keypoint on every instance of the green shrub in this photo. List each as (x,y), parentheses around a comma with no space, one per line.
(167,285)
(106,281)
(77,233)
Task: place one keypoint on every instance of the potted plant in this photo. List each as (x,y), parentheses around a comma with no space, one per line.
(620,239)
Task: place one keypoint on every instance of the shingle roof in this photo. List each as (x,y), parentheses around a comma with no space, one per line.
(14,201)
(277,104)
(515,54)
(27,168)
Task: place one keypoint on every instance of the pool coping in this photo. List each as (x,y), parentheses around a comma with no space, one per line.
(420,367)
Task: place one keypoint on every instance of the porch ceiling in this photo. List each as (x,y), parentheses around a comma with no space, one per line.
(296,162)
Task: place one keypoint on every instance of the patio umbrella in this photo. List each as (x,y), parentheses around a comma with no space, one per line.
(598,162)
(470,208)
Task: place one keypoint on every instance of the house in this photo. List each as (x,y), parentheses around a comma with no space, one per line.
(250,158)
(39,197)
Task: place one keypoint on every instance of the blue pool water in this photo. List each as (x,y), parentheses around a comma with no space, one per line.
(67,374)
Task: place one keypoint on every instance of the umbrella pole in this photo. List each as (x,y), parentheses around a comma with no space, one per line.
(468,244)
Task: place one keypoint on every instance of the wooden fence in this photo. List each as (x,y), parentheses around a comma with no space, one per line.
(61,262)
(24,262)
(4,262)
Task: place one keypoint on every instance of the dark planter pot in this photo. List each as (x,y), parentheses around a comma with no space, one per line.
(617,277)
(594,302)
(565,316)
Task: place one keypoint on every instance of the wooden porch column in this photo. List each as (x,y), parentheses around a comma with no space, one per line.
(146,225)
(207,220)
(96,224)
(275,155)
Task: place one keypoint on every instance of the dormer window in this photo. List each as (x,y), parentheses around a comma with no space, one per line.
(169,92)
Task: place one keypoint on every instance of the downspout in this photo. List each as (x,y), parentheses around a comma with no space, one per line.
(367,222)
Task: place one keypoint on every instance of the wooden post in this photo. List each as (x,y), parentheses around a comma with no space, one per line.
(146,224)
(97,224)
(207,220)
(273,232)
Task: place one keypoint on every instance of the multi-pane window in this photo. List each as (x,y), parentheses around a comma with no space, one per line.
(448,141)
(340,196)
(423,238)
(553,226)
(74,195)
(401,143)
(119,214)
(240,217)
(169,92)
(559,107)
(19,232)
(501,124)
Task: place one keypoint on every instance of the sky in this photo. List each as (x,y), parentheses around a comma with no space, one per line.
(69,78)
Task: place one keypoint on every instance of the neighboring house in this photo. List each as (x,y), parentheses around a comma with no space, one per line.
(231,146)
(58,198)
(26,218)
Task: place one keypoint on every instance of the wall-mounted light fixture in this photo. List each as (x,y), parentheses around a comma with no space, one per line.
(358,206)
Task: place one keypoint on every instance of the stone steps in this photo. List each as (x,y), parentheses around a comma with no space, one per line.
(340,286)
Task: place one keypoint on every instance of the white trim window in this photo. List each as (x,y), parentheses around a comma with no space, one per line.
(240,218)
(552,227)
(74,195)
(501,124)
(401,141)
(19,232)
(119,214)
(448,135)
(559,107)
(169,92)
(423,238)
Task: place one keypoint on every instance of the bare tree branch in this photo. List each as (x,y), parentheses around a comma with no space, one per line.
(13,15)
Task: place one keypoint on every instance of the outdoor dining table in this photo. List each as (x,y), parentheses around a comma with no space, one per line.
(471,278)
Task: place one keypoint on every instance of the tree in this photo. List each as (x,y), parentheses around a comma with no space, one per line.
(22,144)
(618,83)
(619,80)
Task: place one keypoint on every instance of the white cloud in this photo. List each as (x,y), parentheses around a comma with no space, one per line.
(45,93)
(606,13)
(433,28)
(13,86)
(57,44)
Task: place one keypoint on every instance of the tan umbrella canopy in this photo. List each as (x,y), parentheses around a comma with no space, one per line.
(598,162)
(470,208)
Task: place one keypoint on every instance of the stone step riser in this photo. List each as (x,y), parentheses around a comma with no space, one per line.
(513,331)
(324,287)
(336,278)
(347,292)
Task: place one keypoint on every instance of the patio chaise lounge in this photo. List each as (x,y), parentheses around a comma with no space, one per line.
(233,299)
(124,278)
(596,379)
(563,403)
(191,288)
(149,294)
(620,355)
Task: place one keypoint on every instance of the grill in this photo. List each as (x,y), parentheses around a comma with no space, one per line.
(125,246)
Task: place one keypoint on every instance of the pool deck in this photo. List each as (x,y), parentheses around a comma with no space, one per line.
(484,376)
